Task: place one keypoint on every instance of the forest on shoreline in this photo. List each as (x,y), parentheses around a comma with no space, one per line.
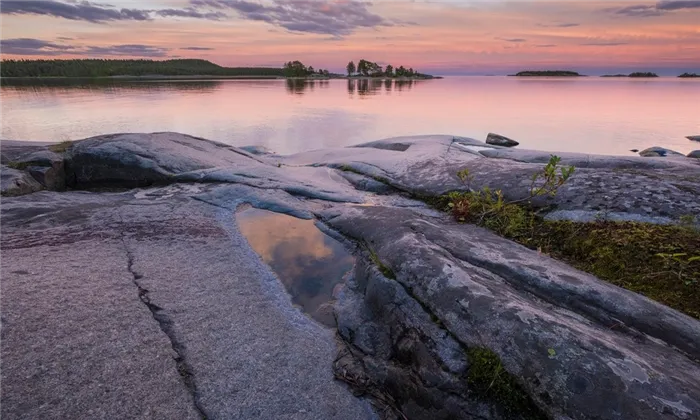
(95,68)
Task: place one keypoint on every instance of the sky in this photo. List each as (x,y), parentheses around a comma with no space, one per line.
(444,37)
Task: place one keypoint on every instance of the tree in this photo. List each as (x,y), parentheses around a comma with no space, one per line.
(362,67)
(311,69)
(296,69)
(410,71)
(350,68)
(389,70)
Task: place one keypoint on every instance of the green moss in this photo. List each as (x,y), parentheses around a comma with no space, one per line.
(18,165)
(661,262)
(384,269)
(61,147)
(488,379)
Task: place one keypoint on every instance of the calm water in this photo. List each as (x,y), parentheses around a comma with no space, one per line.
(309,263)
(608,116)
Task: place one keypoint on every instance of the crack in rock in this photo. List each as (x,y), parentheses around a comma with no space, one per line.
(166,326)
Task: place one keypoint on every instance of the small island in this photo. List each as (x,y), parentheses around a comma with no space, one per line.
(364,69)
(635,74)
(643,74)
(689,75)
(547,73)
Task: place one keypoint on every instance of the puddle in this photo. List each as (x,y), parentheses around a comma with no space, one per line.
(308,262)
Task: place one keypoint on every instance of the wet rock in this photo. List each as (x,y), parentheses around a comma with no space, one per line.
(14,182)
(694,154)
(694,138)
(499,140)
(658,152)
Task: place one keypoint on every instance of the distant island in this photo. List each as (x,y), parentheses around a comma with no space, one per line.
(687,75)
(635,74)
(125,68)
(547,73)
(187,68)
(364,69)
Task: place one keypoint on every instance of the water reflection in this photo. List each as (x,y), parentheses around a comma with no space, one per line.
(46,85)
(372,87)
(300,86)
(308,262)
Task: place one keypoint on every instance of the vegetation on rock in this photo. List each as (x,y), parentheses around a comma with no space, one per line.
(661,262)
(689,75)
(488,379)
(370,69)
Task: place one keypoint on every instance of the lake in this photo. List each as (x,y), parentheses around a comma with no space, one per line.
(593,115)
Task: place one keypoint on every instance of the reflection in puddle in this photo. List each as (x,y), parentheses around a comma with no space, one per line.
(308,262)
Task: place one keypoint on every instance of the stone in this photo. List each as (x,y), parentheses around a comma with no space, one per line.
(694,138)
(657,151)
(15,182)
(456,287)
(257,150)
(499,140)
(634,150)
(694,154)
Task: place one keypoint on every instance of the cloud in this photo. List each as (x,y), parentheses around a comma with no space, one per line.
(658,9)
(558,25)
(135,50)
(91,12)
(639,10)
(545,45)
(197,48)
(335,17)
(678,4)
(98,12)
(64,38)
(604,44)
(38,47)
(512,39)
(191,13)
(31,46)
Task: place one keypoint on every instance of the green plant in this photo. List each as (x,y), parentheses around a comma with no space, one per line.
(488,207)
(549,179)
(682,265)
(61,147)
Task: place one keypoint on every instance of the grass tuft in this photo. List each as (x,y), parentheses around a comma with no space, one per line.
(61,147)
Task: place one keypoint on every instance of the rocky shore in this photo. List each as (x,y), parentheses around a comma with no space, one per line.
(128,290)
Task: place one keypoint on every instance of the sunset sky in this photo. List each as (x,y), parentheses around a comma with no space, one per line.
(439,37)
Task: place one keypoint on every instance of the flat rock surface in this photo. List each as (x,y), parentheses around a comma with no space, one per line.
(79,340)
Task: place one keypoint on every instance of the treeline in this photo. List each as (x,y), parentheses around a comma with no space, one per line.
(370,69)
(106,68)
(298,69)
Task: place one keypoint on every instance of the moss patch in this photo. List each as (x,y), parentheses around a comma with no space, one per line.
(18,165)
(489,380)
(661,262)
(383,268)
(61,147)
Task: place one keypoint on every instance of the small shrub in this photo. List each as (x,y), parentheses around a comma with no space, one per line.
(61,147)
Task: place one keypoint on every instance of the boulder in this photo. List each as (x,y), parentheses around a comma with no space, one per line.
(694,138)
(452,321)
(499,140)
(657,151)
(694,154)
(15,182)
